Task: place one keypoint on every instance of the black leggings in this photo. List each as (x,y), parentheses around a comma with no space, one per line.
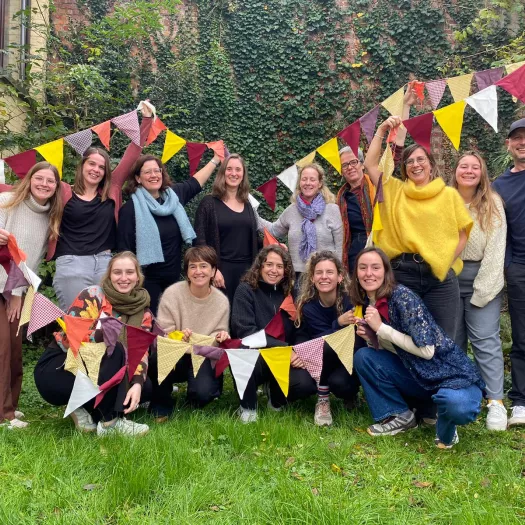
(335,376)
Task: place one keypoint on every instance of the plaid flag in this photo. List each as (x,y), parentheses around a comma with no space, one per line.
(129,125)
(80,141)
(42,313)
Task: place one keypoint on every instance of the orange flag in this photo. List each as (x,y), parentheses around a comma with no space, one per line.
(288,306)
(218,148)
(156,128)
(103,131)
(77,328)
(16,253)
(269,238)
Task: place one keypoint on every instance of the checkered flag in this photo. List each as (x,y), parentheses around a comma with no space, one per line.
(311,353)
(80,141)
(43,313)
(129,125)
(435,89)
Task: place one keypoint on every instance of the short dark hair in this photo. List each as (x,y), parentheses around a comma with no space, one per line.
(200,253)
(132,184)
(434,170)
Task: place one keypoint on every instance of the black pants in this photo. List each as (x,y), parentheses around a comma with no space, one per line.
(301,385)
(155,285)
(55,384)
(232,273)
(201,389)
(515,274)
(335,376)
(440,297)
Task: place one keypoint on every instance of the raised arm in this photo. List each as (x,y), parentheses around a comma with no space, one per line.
(204,174)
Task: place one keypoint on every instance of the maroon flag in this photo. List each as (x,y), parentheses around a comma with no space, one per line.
(351,135)
(195,153)
(22,162)
(138,344)
(269,191)
(420,129)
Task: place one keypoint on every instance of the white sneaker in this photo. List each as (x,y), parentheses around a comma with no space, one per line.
(517,417)
(19,415)
(497,416)
(247,416)
(83,420)
(323,415)
(16,423)
(122,426)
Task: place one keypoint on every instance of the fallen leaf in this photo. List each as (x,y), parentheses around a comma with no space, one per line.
(215,508)
(90,486)
(422,484)
(485,482)
(289,462)
(335,468)
(315,491)
(297,476)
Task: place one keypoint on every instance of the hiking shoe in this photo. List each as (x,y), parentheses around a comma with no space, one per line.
(393,425)
(323,416)
(83,420)
(517,417)
(247,416)
(441,445)
(122,426)
(17,424)
(497,416)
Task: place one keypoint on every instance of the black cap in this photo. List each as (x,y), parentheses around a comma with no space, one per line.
(516,125)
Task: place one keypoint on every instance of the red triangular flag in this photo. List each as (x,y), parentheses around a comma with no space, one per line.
(289,307)
(156,128)
(420,129)
(138,343)
(231,344)
(217,147)
(115,380)
(16,253)
(269,191)
(351,135)
(77,328)
(513,83)
(222,364)
(269,238)
(5,258)
(22,162)
(103,131)
(195,152)
(275,327)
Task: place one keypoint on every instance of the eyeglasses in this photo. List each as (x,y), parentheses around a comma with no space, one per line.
(41,180)
(352,163)
(419,160)
(156,171)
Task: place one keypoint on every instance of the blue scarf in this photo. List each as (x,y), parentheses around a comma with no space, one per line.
(310,212)
(149,247)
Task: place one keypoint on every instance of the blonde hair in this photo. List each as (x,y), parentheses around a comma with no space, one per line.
(328,196)
(484,198)
(104,185)
(106,279)
(22,192)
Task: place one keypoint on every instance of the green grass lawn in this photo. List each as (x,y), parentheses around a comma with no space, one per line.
(204,466)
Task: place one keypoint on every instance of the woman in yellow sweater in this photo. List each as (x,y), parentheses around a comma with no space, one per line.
(425,227)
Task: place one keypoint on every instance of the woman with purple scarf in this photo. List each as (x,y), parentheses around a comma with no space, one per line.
(312,222)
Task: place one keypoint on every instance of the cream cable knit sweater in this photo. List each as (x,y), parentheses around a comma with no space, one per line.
(29,223)
(490,250)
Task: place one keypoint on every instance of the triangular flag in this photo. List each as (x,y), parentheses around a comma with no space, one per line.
(213,353)
(195,152)
(201,340)
(30,275)
(176,335)
(514,83)
(450,118)
(488,77)
(242,363)
(394,103)
(80,141)
(74,364)
(5,258)
(217,147)
(368,123)
(278,361)
(330,151)
(510,68)
(77,329)
(377,224)
(138,344)
(311,354)
(172,144)
(256,340)
(16,252)
(231,344)
(358,311)
(420,129)
(22,162)
(289,177)
(268,238)
(42,313)
(157,127)
(289,307)
(110,383)
(342,343)
(460,86)
(435,89)
(269,191)
(253,202)
(92,354)
(111,328)
(129,125)
(196,363)
(306,160)
(275,328)
(222,364)
(386,164)
(2,173)
(103,130)
(485,102)
(351,135)
(169,353)
(83,391)
(26,309)
(15,279)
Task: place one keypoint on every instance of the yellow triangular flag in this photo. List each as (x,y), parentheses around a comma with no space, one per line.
(202,340)
(394,103)
(377,224)
(172,144)
(342,343)
(450,118)
(329,150)
(73,364)
(278,360)
(386,164)
(358,311)
(460,86)
(62,325)
(196,363)
(53,152)
(92,354)
(169,353)
(306,160)
(510,69)
(25,316)
(176,335)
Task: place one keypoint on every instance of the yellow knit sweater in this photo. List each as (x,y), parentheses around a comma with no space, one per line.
(425,220)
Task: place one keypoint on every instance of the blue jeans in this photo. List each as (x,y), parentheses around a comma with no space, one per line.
(388,385)
(76,272)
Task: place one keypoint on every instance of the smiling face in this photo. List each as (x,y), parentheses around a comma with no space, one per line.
(233,174)
(310,183)
(370,272)
(43,185)
(516,146)
(93,170)
(351,169)
(418,168)
(123,275)
(468,172)
(325,277)
(200,274)
(150,177)
(272,270)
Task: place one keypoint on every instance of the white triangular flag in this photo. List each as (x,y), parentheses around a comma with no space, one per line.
(101,316)
(2,172)
(30,275)
(485,102)
(253,201)
(242,363)
(256,340)
(289,177)
(83,391)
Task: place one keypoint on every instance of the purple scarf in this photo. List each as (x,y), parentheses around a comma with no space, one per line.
(310,212)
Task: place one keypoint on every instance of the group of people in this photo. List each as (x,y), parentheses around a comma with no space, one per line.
(432,281)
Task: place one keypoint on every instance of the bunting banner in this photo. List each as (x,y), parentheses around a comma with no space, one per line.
(242,363)
(342,343)
(306,160)
(218,148)
(16,252)
(25,315)
(386,164)
(275,328)
(195,152)
(157,127)
(351,136)
(103,131)
(201,340)
(108,385)
(450,118)
(21,163)
(15,279)
(460,86)
(488,77)
(514,82)
(172,145)
(76,330)
(30,276)
(256,340)
(330,151)
(139,342)
(169,353)
(80,141)
(129,125)
(368,123)
(269,239)
(278,361)
(435,90)
(92,354)
(42,313)
(394,103)
(222,364)
(74,363)
(311,354)
(83,391)
(420,129)
(269,192)
(196,363)
(213,353)
(111,328)
(485,102)
(289,307)
(253,201)
(510,68)
(289,177)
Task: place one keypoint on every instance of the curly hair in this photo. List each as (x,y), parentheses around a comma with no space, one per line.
(253,275)
(308,292)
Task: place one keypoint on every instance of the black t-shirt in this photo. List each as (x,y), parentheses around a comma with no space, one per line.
(355,217)
(87,227)
(235,231)
(169,231)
